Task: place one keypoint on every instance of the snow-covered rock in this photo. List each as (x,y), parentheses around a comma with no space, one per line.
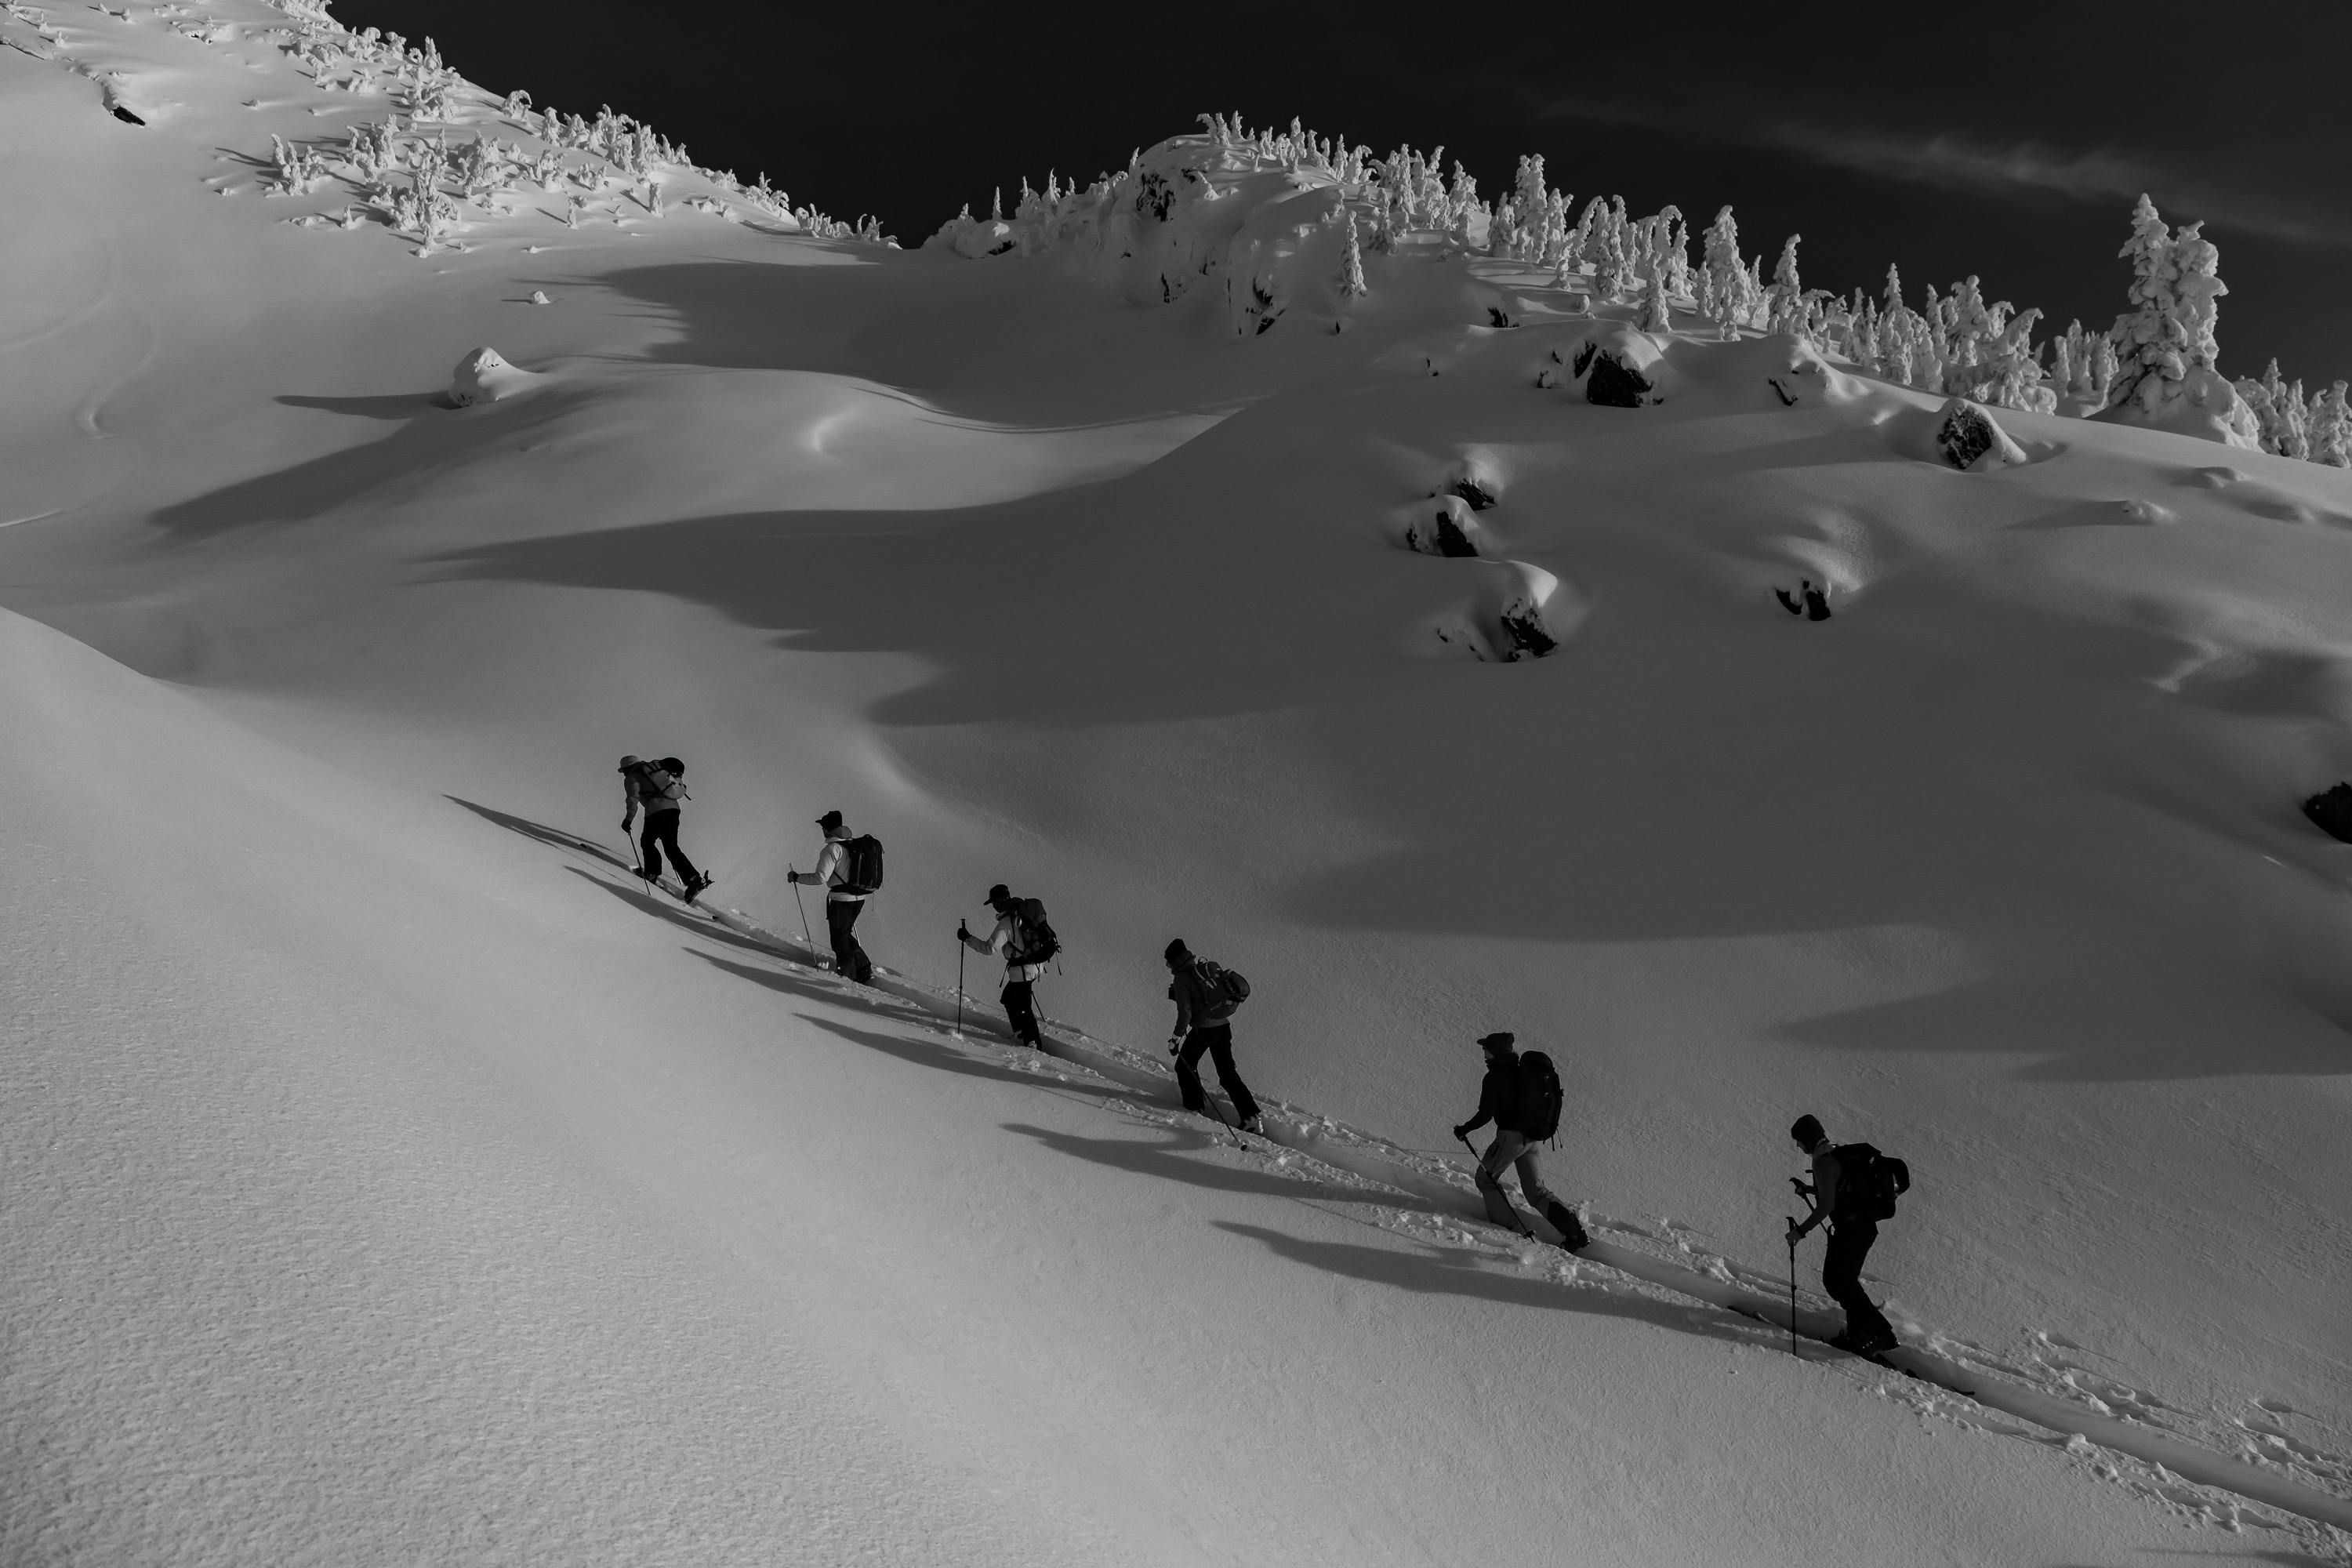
(1442,525)
(1972,441)
(485,376)
(1623,368)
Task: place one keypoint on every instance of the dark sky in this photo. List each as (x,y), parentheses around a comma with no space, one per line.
(1954,138)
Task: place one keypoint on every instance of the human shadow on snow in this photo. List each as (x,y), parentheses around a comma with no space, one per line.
(1428,1269)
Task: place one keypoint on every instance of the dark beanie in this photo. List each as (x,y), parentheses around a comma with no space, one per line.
(1500,1040)
(1176,952)
(1807,1130)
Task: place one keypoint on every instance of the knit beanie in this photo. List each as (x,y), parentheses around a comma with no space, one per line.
(1807,1130)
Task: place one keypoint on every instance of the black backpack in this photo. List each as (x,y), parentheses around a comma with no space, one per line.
(861,865)
(1034,941)
(1535,1108)
(1225,983)
(1868,1182)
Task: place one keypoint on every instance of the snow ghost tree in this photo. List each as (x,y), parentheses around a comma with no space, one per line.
(2167,348)
(1657,315)
(1726,278)
(1352,286)
(1786,296)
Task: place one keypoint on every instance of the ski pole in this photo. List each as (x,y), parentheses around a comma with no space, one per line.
(803,909)
(1792,1287)
(636,862)
(960,929)
(1223,1123)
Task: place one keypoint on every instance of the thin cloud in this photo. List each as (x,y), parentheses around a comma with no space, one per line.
(2096,175)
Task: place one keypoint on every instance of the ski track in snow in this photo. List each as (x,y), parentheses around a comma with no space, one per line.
(1948,1379)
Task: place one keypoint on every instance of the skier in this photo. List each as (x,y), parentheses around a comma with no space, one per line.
(657,785)
(844,897)
(1206,995)
(1852,1232)
(1028,942)
(1523,1106)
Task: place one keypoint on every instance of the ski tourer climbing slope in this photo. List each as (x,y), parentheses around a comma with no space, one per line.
(1206,997)
(658,786)
(1027,940)
(849,869)
(1522,1099)
(1841,1198)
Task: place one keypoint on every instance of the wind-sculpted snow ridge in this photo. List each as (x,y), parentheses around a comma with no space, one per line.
(1282,222)
(404,172)
(2244,1474)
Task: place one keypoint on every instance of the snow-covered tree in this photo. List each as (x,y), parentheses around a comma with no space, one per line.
(1726,301)
(1657,315)
(1351,265)
(1784,299)
(2150,334)
(2331,428)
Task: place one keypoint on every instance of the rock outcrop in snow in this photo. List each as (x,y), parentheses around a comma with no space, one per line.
(1972,441)
(485,376)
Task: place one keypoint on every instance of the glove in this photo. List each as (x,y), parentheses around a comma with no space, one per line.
(1462,1131)
(1796,1231)
(625,823)
(793,877)
(1175,1044)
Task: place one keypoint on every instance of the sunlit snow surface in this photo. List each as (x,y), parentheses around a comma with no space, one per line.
(388,1179)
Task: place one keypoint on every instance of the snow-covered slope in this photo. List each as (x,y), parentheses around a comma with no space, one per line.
(394,1180)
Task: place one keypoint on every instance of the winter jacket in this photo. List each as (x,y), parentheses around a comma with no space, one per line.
(651,788)
(832,870)
(1498,1095)
(1199,1004)
(1003,938)
(1825,1181)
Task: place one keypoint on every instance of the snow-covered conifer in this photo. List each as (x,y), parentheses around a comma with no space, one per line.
(1894,289)
(2150,333)
(1657,316)
(1785,299)
(1351,265)
(2331,428)
(1726,278)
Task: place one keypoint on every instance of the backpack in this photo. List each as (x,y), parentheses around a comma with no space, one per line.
(1868,1182)
(1224,983)
(1535,1108)
(1034,941)
(861,865)
(658,780)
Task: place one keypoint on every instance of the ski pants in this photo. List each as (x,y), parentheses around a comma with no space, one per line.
(848,958)
(661,833)
(1217,1040)
(1850,1243)
(1020,1010)
(1512,1148)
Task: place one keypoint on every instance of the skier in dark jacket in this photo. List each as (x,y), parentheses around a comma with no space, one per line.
(1498,1099)
(1203,1014)
(1018,999)
(1866,1332)
(657,786)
